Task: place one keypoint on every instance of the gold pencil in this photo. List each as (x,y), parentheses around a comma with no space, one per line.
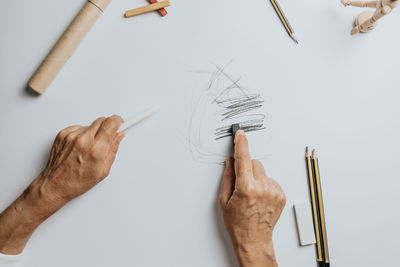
(314,203)
(320,207)
(284,20)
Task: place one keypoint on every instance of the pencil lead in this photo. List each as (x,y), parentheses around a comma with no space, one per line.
(314,154)
(307,153)
(294,38)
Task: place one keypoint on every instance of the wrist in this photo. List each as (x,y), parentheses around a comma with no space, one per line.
(255,255)
(24,215)
(45,195)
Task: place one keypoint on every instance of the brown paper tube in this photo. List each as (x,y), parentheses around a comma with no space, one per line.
(66,45)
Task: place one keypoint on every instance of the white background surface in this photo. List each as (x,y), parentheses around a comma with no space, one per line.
(159,207)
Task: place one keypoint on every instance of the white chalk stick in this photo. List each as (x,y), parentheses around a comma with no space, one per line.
(132,121)
(305,225)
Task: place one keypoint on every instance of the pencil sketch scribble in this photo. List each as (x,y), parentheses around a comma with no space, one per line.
(225,101)
(236,109)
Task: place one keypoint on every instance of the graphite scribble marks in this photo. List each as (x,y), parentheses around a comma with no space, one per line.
(237,106)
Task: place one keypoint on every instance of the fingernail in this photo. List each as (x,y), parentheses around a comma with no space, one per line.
(240,132)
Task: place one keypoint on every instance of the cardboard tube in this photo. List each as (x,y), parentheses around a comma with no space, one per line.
(66,45)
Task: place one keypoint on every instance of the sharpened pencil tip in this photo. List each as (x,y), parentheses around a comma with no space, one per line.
(294,38)
(314,154)
(307,153)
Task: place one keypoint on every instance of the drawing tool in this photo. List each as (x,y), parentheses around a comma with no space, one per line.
(284,20)
(66,45)
(148,8)
(320,207)
(314,208)
(132,121)
(163,12)
(235,128)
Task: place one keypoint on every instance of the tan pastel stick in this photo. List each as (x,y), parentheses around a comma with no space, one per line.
(66,45)
(360,3)
(148,8)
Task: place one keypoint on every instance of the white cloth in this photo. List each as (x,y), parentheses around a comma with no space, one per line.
(8,260)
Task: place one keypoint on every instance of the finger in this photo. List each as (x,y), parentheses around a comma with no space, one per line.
(64,137)
(258,169)
(94,127)
(243,167)
(276,186)
(109,128)
(69,138)
(228,183)
(52,156)
(114,148)
(63,133)
(72,128)
(73,135)
(59,142)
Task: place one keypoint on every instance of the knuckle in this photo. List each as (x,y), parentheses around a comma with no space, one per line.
(283,198)
(264,192)
(98,121)
(61,135)
(107,123)
(111,122)
(265,189)
(244,172)
(70,138)
(242,156)
(80,141)
(96,151)
(275,196)
(248,190)
(280,192)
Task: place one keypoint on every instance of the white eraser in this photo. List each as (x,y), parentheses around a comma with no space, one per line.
(305,225)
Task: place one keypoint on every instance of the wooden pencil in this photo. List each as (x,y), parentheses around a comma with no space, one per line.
(321,212)
(314,205)
(284,20)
